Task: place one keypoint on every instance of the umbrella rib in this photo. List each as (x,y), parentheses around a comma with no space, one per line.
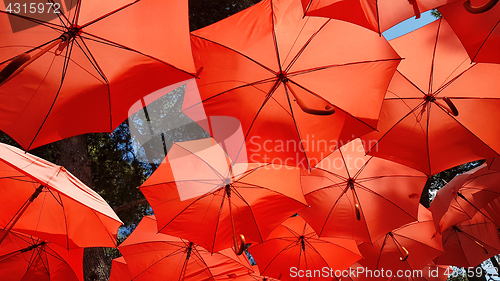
(86,51)
(296,127)
(63,75)
(333,207)
(109,14)
(243,55)
(251,211)
(61,16)
(431,74)
(319,68)
(289,246)
(254,186)
(218,220)
(427,137)
(206,163)
(275,40)
(158,261)
(484,42)
(33,20)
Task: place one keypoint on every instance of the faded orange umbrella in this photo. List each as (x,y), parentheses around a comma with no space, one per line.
(408,248)
(469,243)
(44,200)
(440,110)
(152,256)
(28,258)
(199,194)
(376,15)
(78,69)
(464,196)
(360,197)
(476,24)
(283,77)
(293,249)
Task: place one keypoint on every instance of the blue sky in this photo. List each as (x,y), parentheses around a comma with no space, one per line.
(409,25)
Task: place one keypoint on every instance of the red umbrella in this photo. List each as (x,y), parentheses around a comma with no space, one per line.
(198,194)
(119,270)
(44,200)
(440,110)
(406,249)
(294,250)
(464,196)
(81,71)
(375,15)
(360,197)
(155,256)
(24,257)
(282,76)
(476,26)
(469,243)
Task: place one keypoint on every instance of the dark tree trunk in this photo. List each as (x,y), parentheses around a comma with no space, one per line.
(74,157)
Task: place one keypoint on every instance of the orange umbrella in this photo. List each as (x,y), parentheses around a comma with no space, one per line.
(469,243)
(44,200)
(81,71)
(198,194)
(440,110)
(406,249)
(464,196)
(360,197)
(283,76)
(119,270)
(155,256)
(294,250)
(28,258)
(476,26)
(372,14)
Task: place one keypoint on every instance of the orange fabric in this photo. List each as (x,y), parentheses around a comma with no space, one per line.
(42,263)
(283,250)
(376,15)
(155,256)
(479,186)
(388,194)
(423,134)
(67,212)
(119,270)
(460,247)
(89,85)
(187,194)
(243,56)
(418,238)
(479,33)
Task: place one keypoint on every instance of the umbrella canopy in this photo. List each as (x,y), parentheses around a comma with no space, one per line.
(282,76)
(469,243)
(44,200)
(360,197)
(294,249)
(119,270)
(464,196)
(89,64)
(407,248)
(155,256)
(198,194)
(478,32)
(440,110)
(372,14)
(28,258)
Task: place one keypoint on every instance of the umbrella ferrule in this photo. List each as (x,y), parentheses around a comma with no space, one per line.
(71,33)
(282,77)
(36,193)
(32,247)
(189,250)
(430,98)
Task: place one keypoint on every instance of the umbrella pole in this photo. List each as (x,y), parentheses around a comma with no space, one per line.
(17,65)
(357,208)
(238,250)
(188,255)
(21,212)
